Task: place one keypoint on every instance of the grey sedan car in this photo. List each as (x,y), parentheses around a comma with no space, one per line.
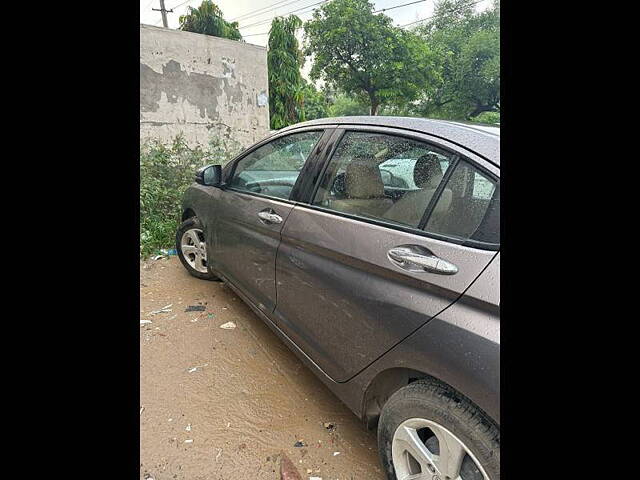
(371,247)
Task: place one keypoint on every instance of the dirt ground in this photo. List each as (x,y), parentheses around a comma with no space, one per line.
(228,403)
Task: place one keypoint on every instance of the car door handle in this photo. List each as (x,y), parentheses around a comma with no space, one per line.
(419,259)
(269,216)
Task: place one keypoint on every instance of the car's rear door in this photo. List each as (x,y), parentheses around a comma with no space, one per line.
(351,283)
(251,209)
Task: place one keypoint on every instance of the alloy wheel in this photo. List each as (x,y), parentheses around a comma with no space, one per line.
(194,249)
(424,450)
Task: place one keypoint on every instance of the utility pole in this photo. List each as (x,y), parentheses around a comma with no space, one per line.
(164,12)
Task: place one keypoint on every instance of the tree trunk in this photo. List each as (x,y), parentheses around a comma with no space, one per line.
(374,107)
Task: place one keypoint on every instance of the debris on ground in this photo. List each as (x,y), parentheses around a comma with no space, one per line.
(165,309)
(228,326)
(193,369)
(331,427)
(315,478)
(276,388)
(188,440)
(288,471)
(195,308)
(165,253)
(188,428)
(336,453)
(141,410)
(144,322)
(300,443)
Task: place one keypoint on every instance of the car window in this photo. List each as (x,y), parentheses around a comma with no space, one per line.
(273,168)
(469,206)
(382,176)
(398,172)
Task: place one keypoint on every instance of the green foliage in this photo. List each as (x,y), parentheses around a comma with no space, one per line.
(165,173)
(208,20)
(316,104)
(284,60)
(344,105)
(490,118)
(467,49)
(365,56)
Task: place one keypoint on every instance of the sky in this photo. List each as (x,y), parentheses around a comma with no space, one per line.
(248,11)
(255,16)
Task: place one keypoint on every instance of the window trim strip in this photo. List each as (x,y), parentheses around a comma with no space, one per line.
(439,189)
(338,135)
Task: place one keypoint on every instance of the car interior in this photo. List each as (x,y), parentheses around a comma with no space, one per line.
(359,185)
(427,175)
(360,190)
(274,168)
(378,176)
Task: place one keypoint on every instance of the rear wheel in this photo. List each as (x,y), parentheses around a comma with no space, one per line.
(192,249)
(428,431)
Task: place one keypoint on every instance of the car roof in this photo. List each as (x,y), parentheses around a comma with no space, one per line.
(481,139)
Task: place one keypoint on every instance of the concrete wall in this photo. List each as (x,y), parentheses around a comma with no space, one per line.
(201,86)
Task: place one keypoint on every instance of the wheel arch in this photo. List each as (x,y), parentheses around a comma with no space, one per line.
(382,386)
(460,348)
(389,381)
(188,213)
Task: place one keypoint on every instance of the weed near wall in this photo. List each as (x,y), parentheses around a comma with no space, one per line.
(166,170)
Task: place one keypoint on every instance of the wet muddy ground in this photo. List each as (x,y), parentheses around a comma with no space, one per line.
(221,403)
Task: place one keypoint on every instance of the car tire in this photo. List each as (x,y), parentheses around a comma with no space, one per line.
(430,412)
(193,261)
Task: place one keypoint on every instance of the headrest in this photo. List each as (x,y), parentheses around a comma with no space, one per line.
(427,172)
(363,180)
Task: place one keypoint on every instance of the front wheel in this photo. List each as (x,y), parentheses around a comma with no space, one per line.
(429,431)
(192,249)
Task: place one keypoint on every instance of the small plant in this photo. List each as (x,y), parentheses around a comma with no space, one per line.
(166,170)
(488,117)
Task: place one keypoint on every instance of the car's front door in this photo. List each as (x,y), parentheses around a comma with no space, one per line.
(251,210)
(360,268)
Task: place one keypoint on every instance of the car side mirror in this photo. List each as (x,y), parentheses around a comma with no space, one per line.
(210,175)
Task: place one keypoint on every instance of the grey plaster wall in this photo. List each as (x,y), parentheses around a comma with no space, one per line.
(201,86)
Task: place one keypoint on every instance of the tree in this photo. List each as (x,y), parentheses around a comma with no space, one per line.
(364,55)
(207,19)
(316,104)
(467,49)
(342,105)
(284,60)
